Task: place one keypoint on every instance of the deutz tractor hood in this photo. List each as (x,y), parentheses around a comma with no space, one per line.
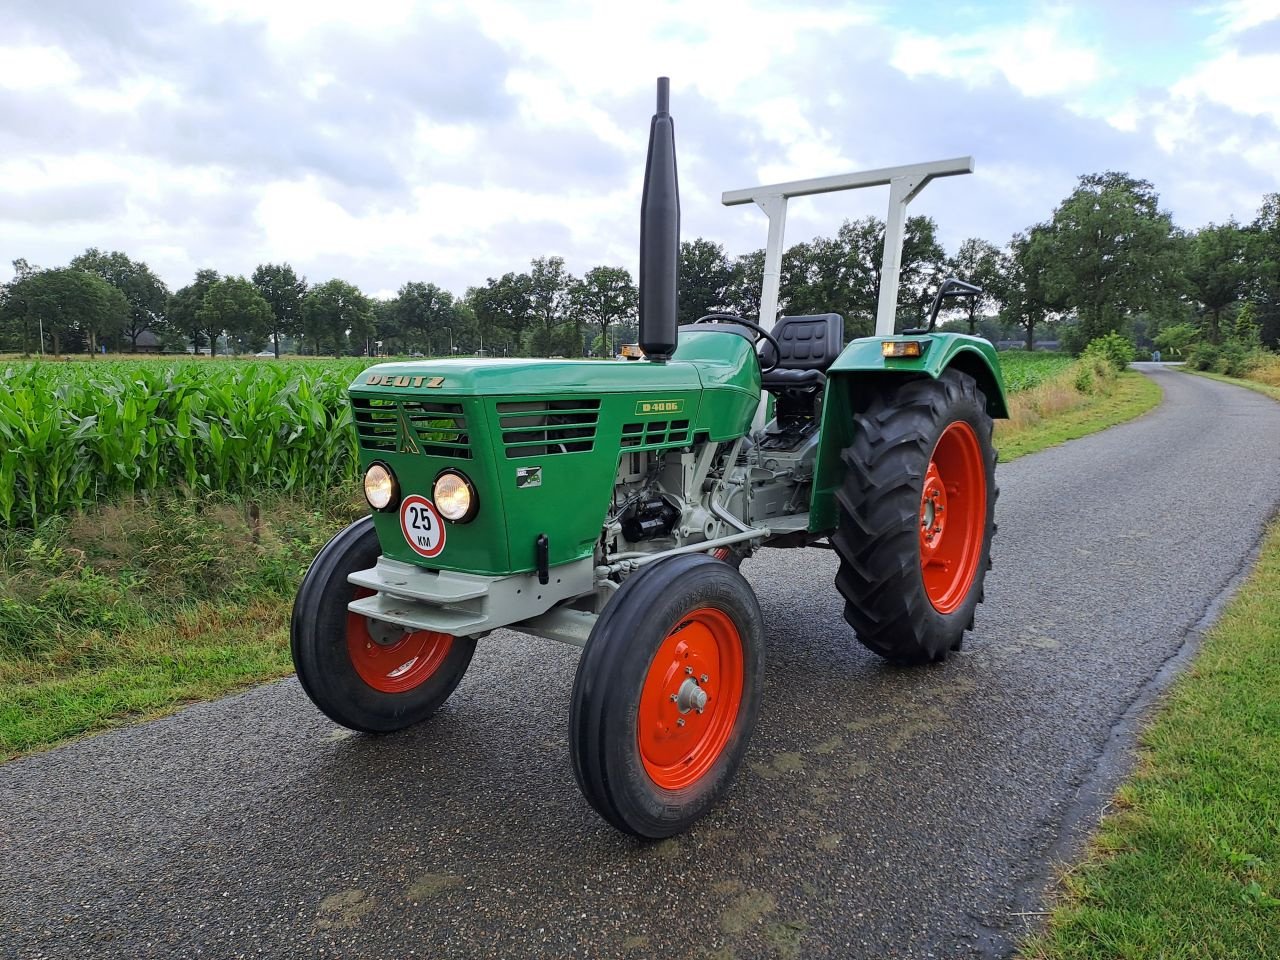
(540,441)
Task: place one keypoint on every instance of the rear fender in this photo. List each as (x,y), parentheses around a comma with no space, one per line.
(862,369)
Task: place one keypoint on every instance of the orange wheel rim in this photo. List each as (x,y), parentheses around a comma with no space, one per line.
(690,699)
(393,662)
(953,517)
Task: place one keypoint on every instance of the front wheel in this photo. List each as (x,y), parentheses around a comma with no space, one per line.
(666,695)
(916,517)
(366,674)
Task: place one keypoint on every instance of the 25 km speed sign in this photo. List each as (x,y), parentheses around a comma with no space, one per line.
(422,526)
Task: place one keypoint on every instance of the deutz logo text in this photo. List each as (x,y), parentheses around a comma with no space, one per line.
(391,380)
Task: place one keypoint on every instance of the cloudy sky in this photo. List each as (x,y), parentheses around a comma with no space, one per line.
(387,140)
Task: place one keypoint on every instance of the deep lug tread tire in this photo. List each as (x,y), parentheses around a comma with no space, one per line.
(878,537)
(318,642)
(605,709)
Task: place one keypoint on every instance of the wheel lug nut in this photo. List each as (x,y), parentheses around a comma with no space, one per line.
(688,670)
(704,678)
(674,698)
(680,722)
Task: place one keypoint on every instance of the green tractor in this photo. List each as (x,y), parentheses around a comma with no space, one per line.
(609,504)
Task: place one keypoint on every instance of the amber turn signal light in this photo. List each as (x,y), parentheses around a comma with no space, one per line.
(901,348)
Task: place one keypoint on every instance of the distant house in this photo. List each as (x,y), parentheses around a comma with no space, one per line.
(148,342)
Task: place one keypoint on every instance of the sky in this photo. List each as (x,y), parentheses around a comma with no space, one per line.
(389,141)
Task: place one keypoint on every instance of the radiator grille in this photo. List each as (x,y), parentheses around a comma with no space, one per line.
(412,426)
(539,428)
(655,433)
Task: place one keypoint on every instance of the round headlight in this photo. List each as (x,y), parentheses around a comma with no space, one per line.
(380,487)
(454,497)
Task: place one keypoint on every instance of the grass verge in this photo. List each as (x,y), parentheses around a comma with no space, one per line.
(1056,411)
(1271,390)
(1188,865)
(132,610)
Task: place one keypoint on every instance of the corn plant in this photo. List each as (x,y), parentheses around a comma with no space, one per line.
(73,434)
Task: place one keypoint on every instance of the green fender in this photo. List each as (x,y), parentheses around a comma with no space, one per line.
(863,368)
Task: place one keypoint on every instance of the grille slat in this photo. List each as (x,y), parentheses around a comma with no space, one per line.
(655,433)
(435,429)
(538,428)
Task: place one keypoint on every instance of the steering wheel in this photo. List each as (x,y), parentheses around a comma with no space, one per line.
(760,332)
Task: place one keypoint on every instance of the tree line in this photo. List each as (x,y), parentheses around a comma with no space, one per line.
(1109,259)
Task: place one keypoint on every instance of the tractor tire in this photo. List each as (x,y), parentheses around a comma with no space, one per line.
(666,695)
(366,675)
(916,517)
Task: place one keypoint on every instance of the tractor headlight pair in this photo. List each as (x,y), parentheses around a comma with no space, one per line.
(453,494)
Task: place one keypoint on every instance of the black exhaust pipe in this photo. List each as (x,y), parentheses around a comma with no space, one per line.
(659,235)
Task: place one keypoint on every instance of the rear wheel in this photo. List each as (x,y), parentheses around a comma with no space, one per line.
(916,517)
(666,695)
(366,674)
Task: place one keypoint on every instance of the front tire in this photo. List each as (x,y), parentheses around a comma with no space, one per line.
(916,517)
(364,674)
(666,695)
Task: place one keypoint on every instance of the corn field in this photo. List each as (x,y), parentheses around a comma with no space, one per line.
(75,433)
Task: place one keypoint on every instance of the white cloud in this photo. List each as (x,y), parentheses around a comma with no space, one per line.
(1037,58)
(36,67)
(1238,16)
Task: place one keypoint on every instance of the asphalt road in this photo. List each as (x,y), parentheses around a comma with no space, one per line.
(881,813)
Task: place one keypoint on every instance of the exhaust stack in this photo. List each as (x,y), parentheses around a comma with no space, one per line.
(659,235)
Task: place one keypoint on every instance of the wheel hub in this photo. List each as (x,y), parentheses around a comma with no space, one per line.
(690,696)
(384,634)
(953,516)
(690,699)
(933,504)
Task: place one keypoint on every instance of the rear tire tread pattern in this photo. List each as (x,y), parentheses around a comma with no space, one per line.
(878,512)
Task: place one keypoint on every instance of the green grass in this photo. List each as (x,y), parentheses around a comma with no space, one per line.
(1269,389)
(131,610)
(1068,415)
(1188,865)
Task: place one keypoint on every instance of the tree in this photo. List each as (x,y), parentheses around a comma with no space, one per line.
(504,305)
(604,296)
(422,312)
(704,279)
(15,313)
(335,314)
(549,304)
(69,301)
(1026,301)
(1216,271)
(283,290)
(145,292)
(742,295)
(184,308)
(1110,251)
(981,263)
(1263,252)
(234,306)
(842,274)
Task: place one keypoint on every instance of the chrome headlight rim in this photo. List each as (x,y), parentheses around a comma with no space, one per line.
(393,501)
(473,505)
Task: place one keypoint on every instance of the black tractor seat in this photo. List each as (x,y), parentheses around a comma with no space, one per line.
(810,344)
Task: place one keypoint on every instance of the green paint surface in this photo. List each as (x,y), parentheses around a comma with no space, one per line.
(862,366)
